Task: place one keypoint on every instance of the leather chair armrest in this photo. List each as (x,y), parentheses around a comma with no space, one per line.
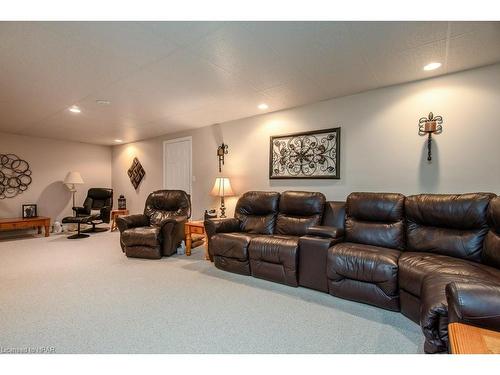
(81,211)
(106,214)
(131,221)
(475,303)
(326,232)
(168,225)
(213,226)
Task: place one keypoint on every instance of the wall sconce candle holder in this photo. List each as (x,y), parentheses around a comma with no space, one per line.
(221,151)
(428,126)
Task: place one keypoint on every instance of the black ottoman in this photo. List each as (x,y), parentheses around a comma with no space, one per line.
(79,220)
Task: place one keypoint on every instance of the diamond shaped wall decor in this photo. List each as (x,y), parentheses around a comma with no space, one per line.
(136,173)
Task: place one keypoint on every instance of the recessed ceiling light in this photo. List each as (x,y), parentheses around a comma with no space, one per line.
(118,141)
(103,102)
(263,106)
(74,109)
(432,66)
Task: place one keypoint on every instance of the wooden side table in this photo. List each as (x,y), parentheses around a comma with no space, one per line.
(192,227)
(467,339)
(114,215)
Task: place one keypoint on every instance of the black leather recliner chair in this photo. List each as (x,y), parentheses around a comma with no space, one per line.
(96,210)
(160,229)
(98,199)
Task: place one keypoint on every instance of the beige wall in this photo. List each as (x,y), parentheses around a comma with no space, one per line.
(49,161)
(380,147)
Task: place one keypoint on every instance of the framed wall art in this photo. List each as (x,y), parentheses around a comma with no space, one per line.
(314,154)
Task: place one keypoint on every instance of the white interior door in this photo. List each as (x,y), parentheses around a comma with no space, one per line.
(177,164)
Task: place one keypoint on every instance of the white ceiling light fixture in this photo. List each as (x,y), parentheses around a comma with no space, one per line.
(118,140)
(75,109)
(103,102)
(263,106)
(432,66)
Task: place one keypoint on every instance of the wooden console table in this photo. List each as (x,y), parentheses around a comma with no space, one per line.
(32,222)
(467,339)
(192,227)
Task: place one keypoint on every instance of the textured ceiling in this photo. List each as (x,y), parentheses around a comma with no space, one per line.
(162,77)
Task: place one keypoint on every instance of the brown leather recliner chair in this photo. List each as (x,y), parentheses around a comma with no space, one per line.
(96,210)
(160,229)
(228,239)
(365,267)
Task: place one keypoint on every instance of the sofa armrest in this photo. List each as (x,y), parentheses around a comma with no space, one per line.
(325,231)
(131,221)
(172,230)
(213,226)
(106,214)
(81,211)
(474,303)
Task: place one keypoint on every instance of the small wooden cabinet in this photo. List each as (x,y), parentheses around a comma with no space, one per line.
(114,215)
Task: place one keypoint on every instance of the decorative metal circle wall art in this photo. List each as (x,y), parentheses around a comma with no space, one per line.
(136,173)
(313,154)
(15,175)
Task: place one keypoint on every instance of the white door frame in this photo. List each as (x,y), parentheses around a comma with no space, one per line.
(165,143)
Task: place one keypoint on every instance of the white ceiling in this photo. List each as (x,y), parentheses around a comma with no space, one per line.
(163,77)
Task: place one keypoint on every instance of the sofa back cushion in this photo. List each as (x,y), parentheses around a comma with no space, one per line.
(334,214)
(491,245)
(447,224)
(375,219)
(298,210)
(257,211)
(164,204)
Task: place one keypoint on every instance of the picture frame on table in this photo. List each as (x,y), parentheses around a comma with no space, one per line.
(29,211)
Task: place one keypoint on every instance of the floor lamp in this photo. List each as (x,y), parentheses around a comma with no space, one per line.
(72,179)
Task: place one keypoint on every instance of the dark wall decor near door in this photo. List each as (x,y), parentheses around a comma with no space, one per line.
(15,175)
(314,154)
(136,173)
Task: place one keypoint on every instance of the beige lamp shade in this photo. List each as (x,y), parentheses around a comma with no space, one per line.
(222,187)
(73,178)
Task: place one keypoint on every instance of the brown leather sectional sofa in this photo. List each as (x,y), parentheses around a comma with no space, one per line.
(435,258)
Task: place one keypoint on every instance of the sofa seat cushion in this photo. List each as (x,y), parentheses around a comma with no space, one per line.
(364,273)
(274,249)
(415,266)
(141,236)
(366,263)
(275,258)
(231,245)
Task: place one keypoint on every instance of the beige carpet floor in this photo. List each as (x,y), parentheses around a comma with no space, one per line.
(85,296)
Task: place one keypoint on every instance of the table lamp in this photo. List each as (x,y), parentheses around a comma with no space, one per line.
(222,188)
(72,179)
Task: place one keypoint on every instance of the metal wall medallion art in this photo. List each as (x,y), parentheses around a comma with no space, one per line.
(15,175)
(313,154)
(136,173)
